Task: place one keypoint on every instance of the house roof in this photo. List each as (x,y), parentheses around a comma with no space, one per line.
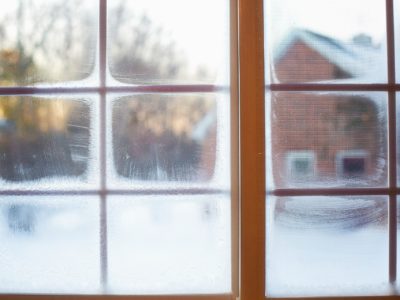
(357,59)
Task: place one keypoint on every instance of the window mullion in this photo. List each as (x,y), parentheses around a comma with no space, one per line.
(392,142)
(103,141)
(252,149)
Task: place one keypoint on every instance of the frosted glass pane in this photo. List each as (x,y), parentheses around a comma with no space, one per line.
(47,41)
(328,139)
(170,139)
(327,246)
(49,244)
(177,41)
(46,142)
(169,244)
(306,42)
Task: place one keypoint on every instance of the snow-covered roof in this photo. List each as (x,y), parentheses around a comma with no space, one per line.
(359,60)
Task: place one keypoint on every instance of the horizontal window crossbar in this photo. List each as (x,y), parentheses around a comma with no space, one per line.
(335,192)
(194,88)
(322,87)
(183,191)
(119,297)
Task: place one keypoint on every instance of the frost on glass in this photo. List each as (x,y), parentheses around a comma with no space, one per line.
(327,139)
(169,244)
(46,41)
(306,42)
(49,244)
(327,246)
(170,138)
(177,41)
(45,141)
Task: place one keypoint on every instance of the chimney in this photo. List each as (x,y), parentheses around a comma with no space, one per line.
(362,40)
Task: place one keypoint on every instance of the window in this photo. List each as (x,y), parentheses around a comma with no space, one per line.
(300,165)
(118,160)
(352,164)
(96,180)
(331,89)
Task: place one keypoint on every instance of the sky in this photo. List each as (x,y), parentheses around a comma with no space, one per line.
(341,19)
(200,27)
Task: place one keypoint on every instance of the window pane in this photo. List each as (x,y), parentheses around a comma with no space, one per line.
(327,246)
(49,244)
(46,142)
(169,244)
(177,41)
(307,42)
(47,41)
(327,139)
(172,140)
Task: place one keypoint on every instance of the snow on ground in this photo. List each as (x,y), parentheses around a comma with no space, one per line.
(326,259)
(170,244)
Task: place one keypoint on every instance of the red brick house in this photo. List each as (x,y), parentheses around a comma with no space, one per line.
(326,138)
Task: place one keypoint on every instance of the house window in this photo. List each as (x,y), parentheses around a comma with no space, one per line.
(300,165)
(117,150)
(352,164)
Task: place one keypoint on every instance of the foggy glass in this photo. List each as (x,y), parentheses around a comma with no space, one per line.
(49,244)
(327,139)
(47,41)
(154,42)
(165,137)
(169,244)
(45,141)
(327,246)
(306,42)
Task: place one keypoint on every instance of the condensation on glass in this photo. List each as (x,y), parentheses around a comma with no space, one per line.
(306,42)
(47,142)
(165,138)
(327,139)
(169,244)
(150,44)
(327,246)
(169,140)
(46,42)
(49,244)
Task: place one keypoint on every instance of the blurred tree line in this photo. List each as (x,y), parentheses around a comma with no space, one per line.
(55,41)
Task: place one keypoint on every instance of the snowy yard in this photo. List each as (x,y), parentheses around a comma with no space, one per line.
(328,257)
(172,244)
